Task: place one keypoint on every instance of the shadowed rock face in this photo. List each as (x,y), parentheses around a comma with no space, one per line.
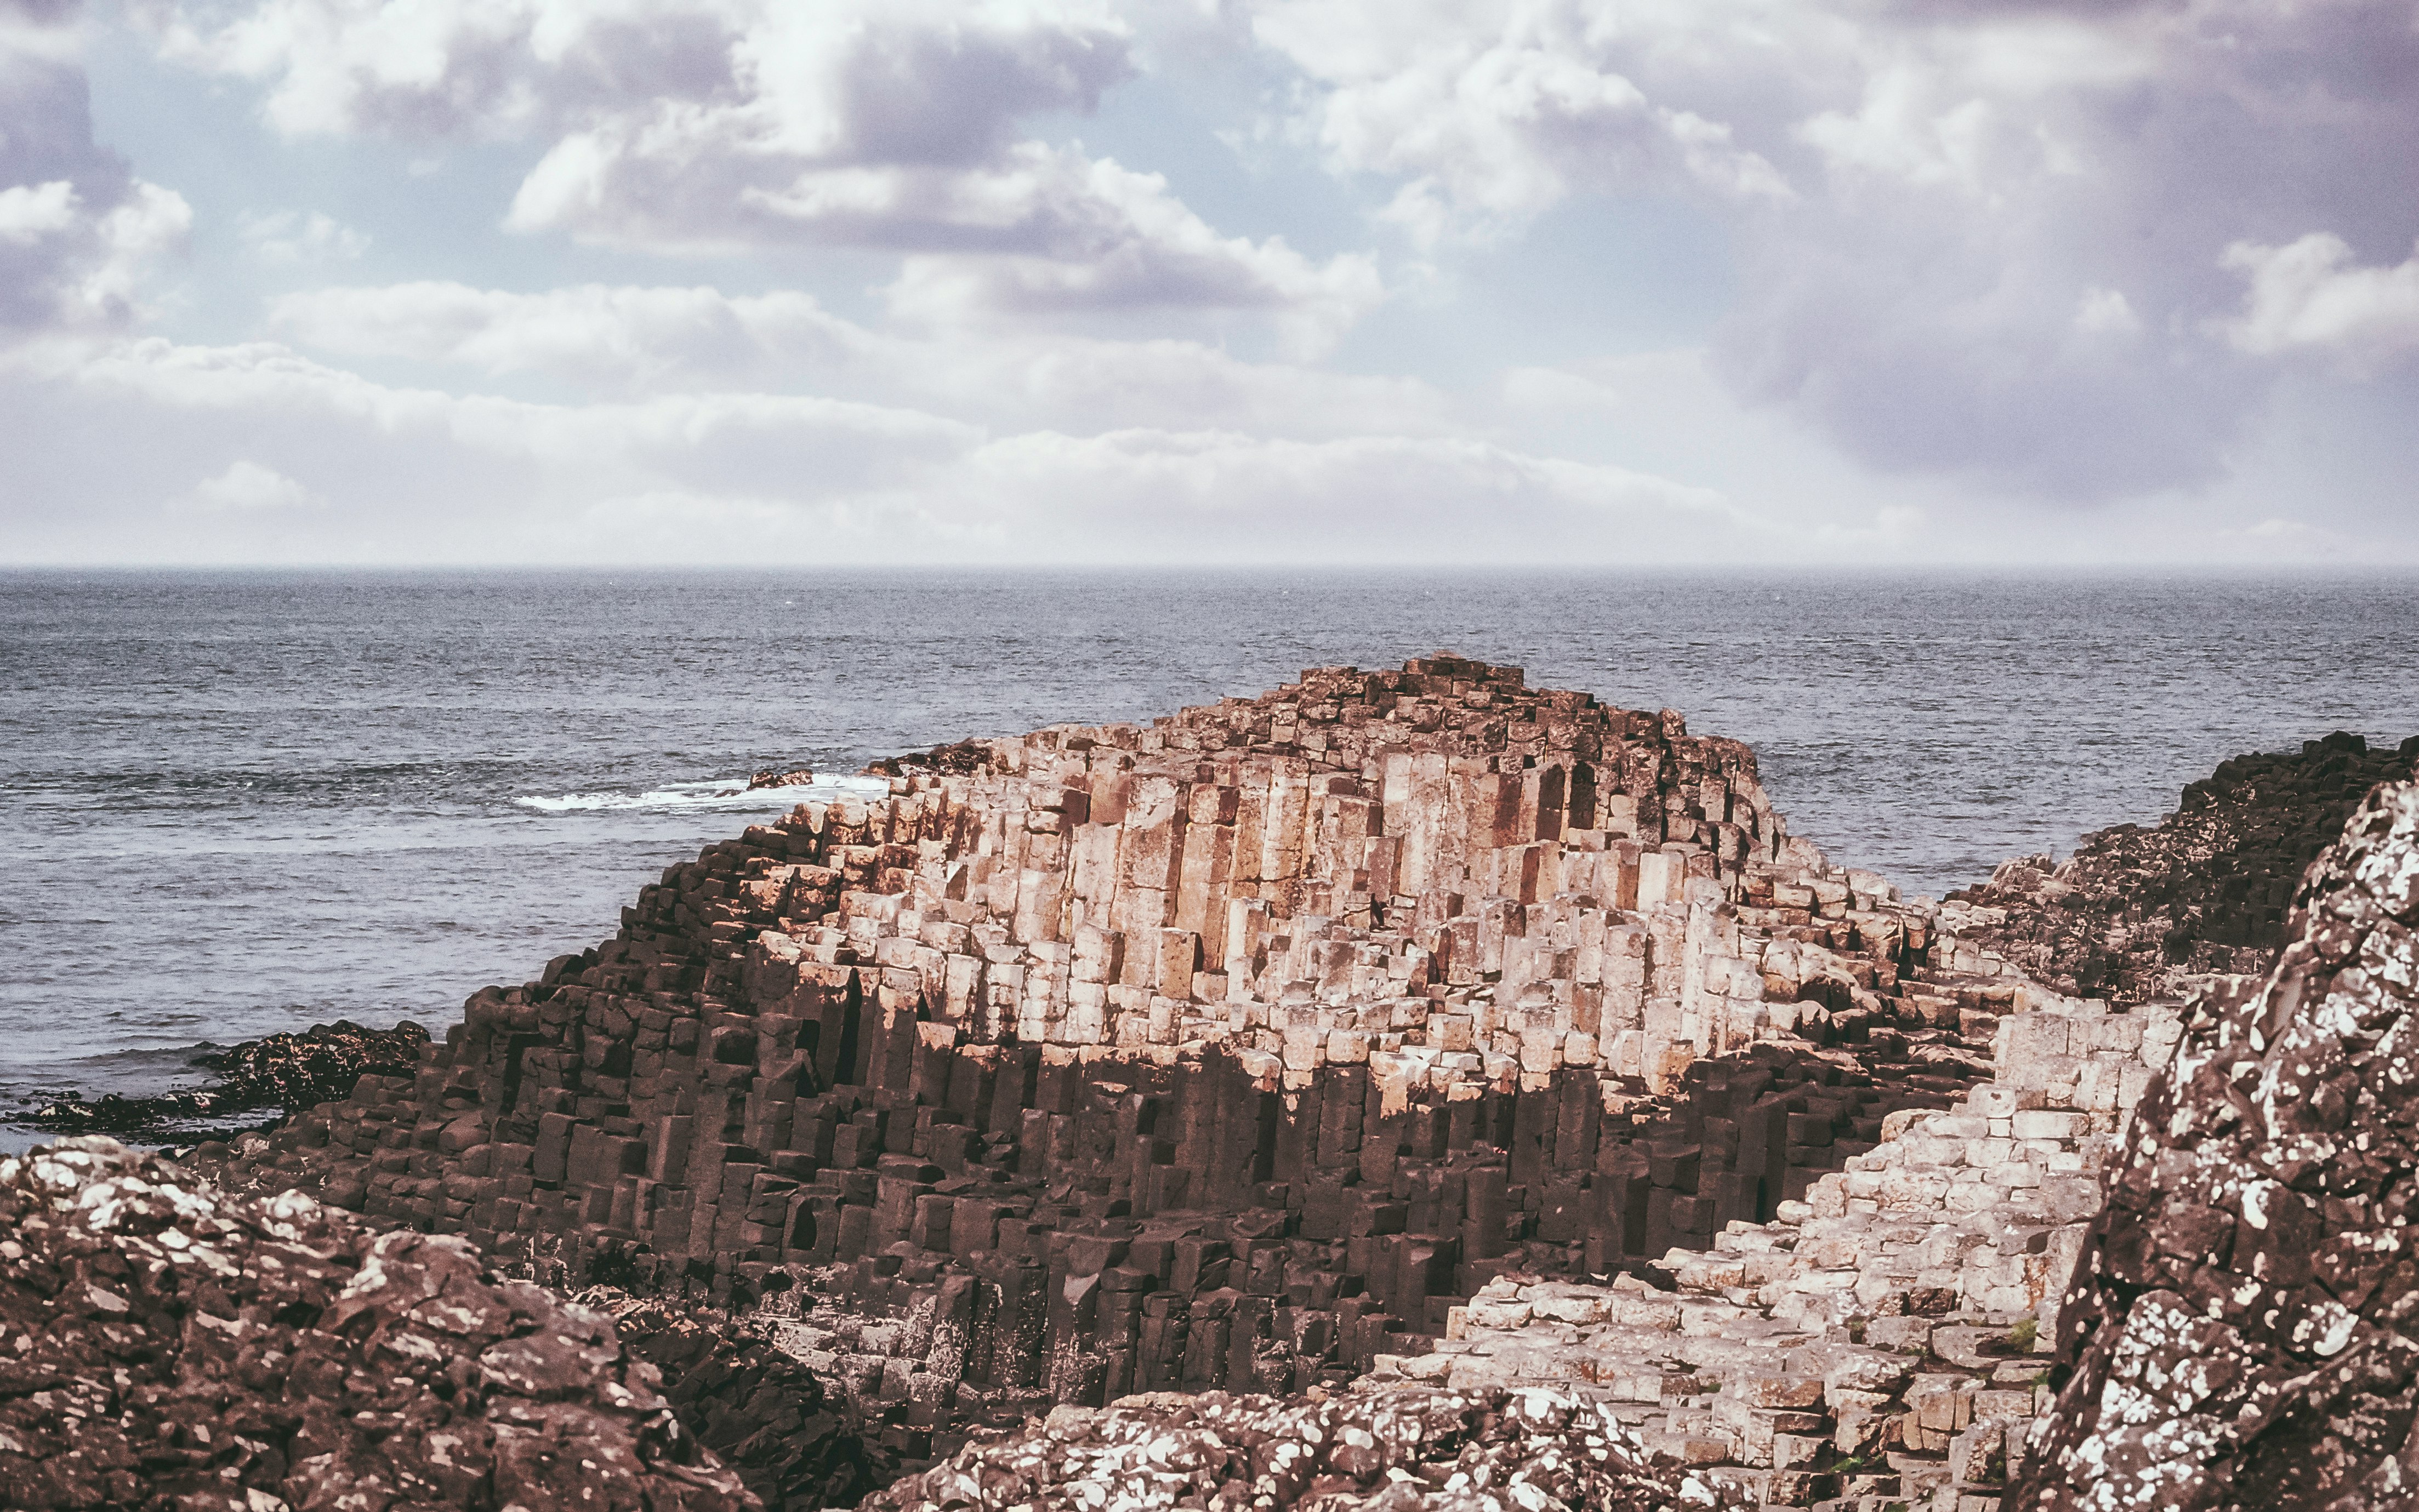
(1400,1450)
(762,1412)
(163,1344)
(2136,913)
(2241,1327)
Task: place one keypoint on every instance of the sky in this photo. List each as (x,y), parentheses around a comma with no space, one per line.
(613,282)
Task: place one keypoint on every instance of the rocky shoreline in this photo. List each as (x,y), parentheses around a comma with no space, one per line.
(1384,1047)
(283,1072)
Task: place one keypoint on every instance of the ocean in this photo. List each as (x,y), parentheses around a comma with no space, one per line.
(232,804)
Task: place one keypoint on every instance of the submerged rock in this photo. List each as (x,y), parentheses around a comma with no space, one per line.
(163,1344)
(2239,1328)
(1396,1449)
(285,1072)
(2137,913)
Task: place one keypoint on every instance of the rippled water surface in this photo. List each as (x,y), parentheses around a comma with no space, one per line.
(237,804)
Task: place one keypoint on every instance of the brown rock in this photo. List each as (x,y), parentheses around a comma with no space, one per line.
(2239,1329)
(163,1345)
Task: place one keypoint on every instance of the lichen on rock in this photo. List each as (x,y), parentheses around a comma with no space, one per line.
(2240,1331)
(165,1344)
(1392,1449)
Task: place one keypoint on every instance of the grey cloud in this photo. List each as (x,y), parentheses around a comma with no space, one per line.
(949,97)
(46,140)
(2004,251)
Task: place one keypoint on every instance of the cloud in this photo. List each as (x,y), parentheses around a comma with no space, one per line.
(78,234)
(616,340)
(414,474)
(1492,116)
(1975,241)
(29,212)
(2303,297)
(291,238)
(248,485)
(694,129)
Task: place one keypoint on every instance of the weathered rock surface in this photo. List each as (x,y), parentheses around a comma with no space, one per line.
(2243,1327)
(285,1072)
(2139,912)
(1396,1448)
(163,1345)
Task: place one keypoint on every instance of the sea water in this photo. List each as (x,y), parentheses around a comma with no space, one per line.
(236,803)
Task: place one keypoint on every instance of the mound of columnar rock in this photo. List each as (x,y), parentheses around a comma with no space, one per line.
(1398,1449)
(284,1072)
(1226,1052)
(2139,912)
(163,1345)
(2243,1329)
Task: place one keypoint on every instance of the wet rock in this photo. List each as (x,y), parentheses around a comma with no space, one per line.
(285,1072)
(165,1345)
(2239,1330)
(959,759)
(2136,913)
(798,777)
(1400,1450)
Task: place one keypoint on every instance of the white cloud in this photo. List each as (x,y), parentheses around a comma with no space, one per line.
(702,128)
(1493,114)
(623,338)
(2307,296)
(29,212)
(2107,313)
(248,485)
(416,475)
(291,238)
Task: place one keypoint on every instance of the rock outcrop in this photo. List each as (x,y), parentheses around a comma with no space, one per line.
(1392,1449)
(1229,1052)
(2137,913)
(163,1345)
(2244,1327)
(1514,989)
(286,1073)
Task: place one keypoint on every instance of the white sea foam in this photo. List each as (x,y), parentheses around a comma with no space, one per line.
(731,793)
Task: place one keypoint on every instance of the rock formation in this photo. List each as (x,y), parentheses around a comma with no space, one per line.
(1394,1449)
(2139,913)
(285,1072)
(2241,1331)
(1229,1052)
(164,1346)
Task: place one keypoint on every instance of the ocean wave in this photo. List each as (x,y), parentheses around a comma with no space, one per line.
(733,793)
